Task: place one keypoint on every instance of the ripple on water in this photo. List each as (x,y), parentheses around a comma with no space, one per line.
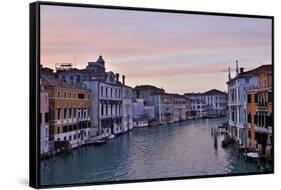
(182,149)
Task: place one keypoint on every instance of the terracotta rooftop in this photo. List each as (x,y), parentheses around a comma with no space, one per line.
(50,81)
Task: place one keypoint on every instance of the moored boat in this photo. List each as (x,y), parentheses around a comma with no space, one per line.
(99,142)
(111,136)
(252,155)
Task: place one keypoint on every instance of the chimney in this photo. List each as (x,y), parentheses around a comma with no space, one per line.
(241,69)
(117,77)
(237,71)
(123,79)
(229,76)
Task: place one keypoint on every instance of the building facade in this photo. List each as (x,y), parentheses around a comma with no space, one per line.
(140,118)
(237,88)
(215,100)
(127,108)
(106,102)
(69,113)
(75,77)
(180,108)
(45,146)
(146,92)
(259,113)
(199,108)
(164,107)
(106,97)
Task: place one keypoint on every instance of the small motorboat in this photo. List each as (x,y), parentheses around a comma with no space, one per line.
(252,155)
(99,142)
(111,136)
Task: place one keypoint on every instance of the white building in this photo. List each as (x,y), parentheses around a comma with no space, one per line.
(215,100)
(127,108)
(106,101)
(180,107)
(149,111)
(140,119)
(199,108)
(164,107)
(237,87)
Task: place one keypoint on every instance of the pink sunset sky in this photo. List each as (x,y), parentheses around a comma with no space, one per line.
(179,52)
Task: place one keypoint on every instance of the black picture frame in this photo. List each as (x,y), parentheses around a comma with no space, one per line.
(34,90)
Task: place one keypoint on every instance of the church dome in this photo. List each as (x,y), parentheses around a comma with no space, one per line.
(100,60)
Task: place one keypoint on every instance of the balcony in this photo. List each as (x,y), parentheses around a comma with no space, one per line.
(84,119)
(269,129)
(234,103)
(262,105)
(110,116)
(263,129)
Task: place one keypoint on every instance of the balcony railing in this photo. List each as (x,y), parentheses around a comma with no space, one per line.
(263,129)
(262,105)
(269,129)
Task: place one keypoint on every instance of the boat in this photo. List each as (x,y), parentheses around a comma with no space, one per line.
(163,123)
(252,155)
(153,124)
(99,142)
(171,121)
(111,136)
(141,124)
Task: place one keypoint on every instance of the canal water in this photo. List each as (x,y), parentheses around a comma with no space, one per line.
(180,149)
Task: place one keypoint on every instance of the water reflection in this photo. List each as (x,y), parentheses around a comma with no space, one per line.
(190,148)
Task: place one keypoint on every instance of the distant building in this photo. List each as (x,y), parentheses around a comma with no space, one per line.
(45,146)
(140,118)
(188,108)
(259,112)
(237,87)
(127,108)
(69,108)
(164,107)
(97,66)
(75,77)
(146,92)
(149,110)
(181,107)
(106,101)
(215,100)
(199,108)
(47,71)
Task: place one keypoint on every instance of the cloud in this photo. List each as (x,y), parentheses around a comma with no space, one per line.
(150,44)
